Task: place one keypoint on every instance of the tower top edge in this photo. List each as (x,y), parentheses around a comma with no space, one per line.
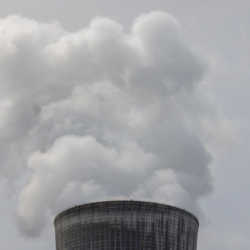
(153,206)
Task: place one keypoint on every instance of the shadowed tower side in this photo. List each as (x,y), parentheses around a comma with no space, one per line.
(126,225)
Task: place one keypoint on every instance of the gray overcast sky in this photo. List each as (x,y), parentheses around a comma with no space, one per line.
(220,29)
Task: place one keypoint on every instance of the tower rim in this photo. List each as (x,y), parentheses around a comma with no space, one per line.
(99,204)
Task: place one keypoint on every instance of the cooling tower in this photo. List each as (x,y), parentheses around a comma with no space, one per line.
(125,225)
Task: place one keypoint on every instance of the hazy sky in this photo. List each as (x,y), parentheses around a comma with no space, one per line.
(214,40)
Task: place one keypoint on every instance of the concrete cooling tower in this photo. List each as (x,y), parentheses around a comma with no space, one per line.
(126,225)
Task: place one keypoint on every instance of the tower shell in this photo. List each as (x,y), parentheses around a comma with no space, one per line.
(126,225)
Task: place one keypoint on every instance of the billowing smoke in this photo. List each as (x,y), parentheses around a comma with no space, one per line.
(99,114)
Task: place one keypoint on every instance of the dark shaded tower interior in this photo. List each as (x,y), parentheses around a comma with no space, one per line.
(126,225)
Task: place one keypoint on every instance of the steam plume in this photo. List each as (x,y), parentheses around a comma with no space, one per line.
(100,114)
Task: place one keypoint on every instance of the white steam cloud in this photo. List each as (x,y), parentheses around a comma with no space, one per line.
(101,114)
